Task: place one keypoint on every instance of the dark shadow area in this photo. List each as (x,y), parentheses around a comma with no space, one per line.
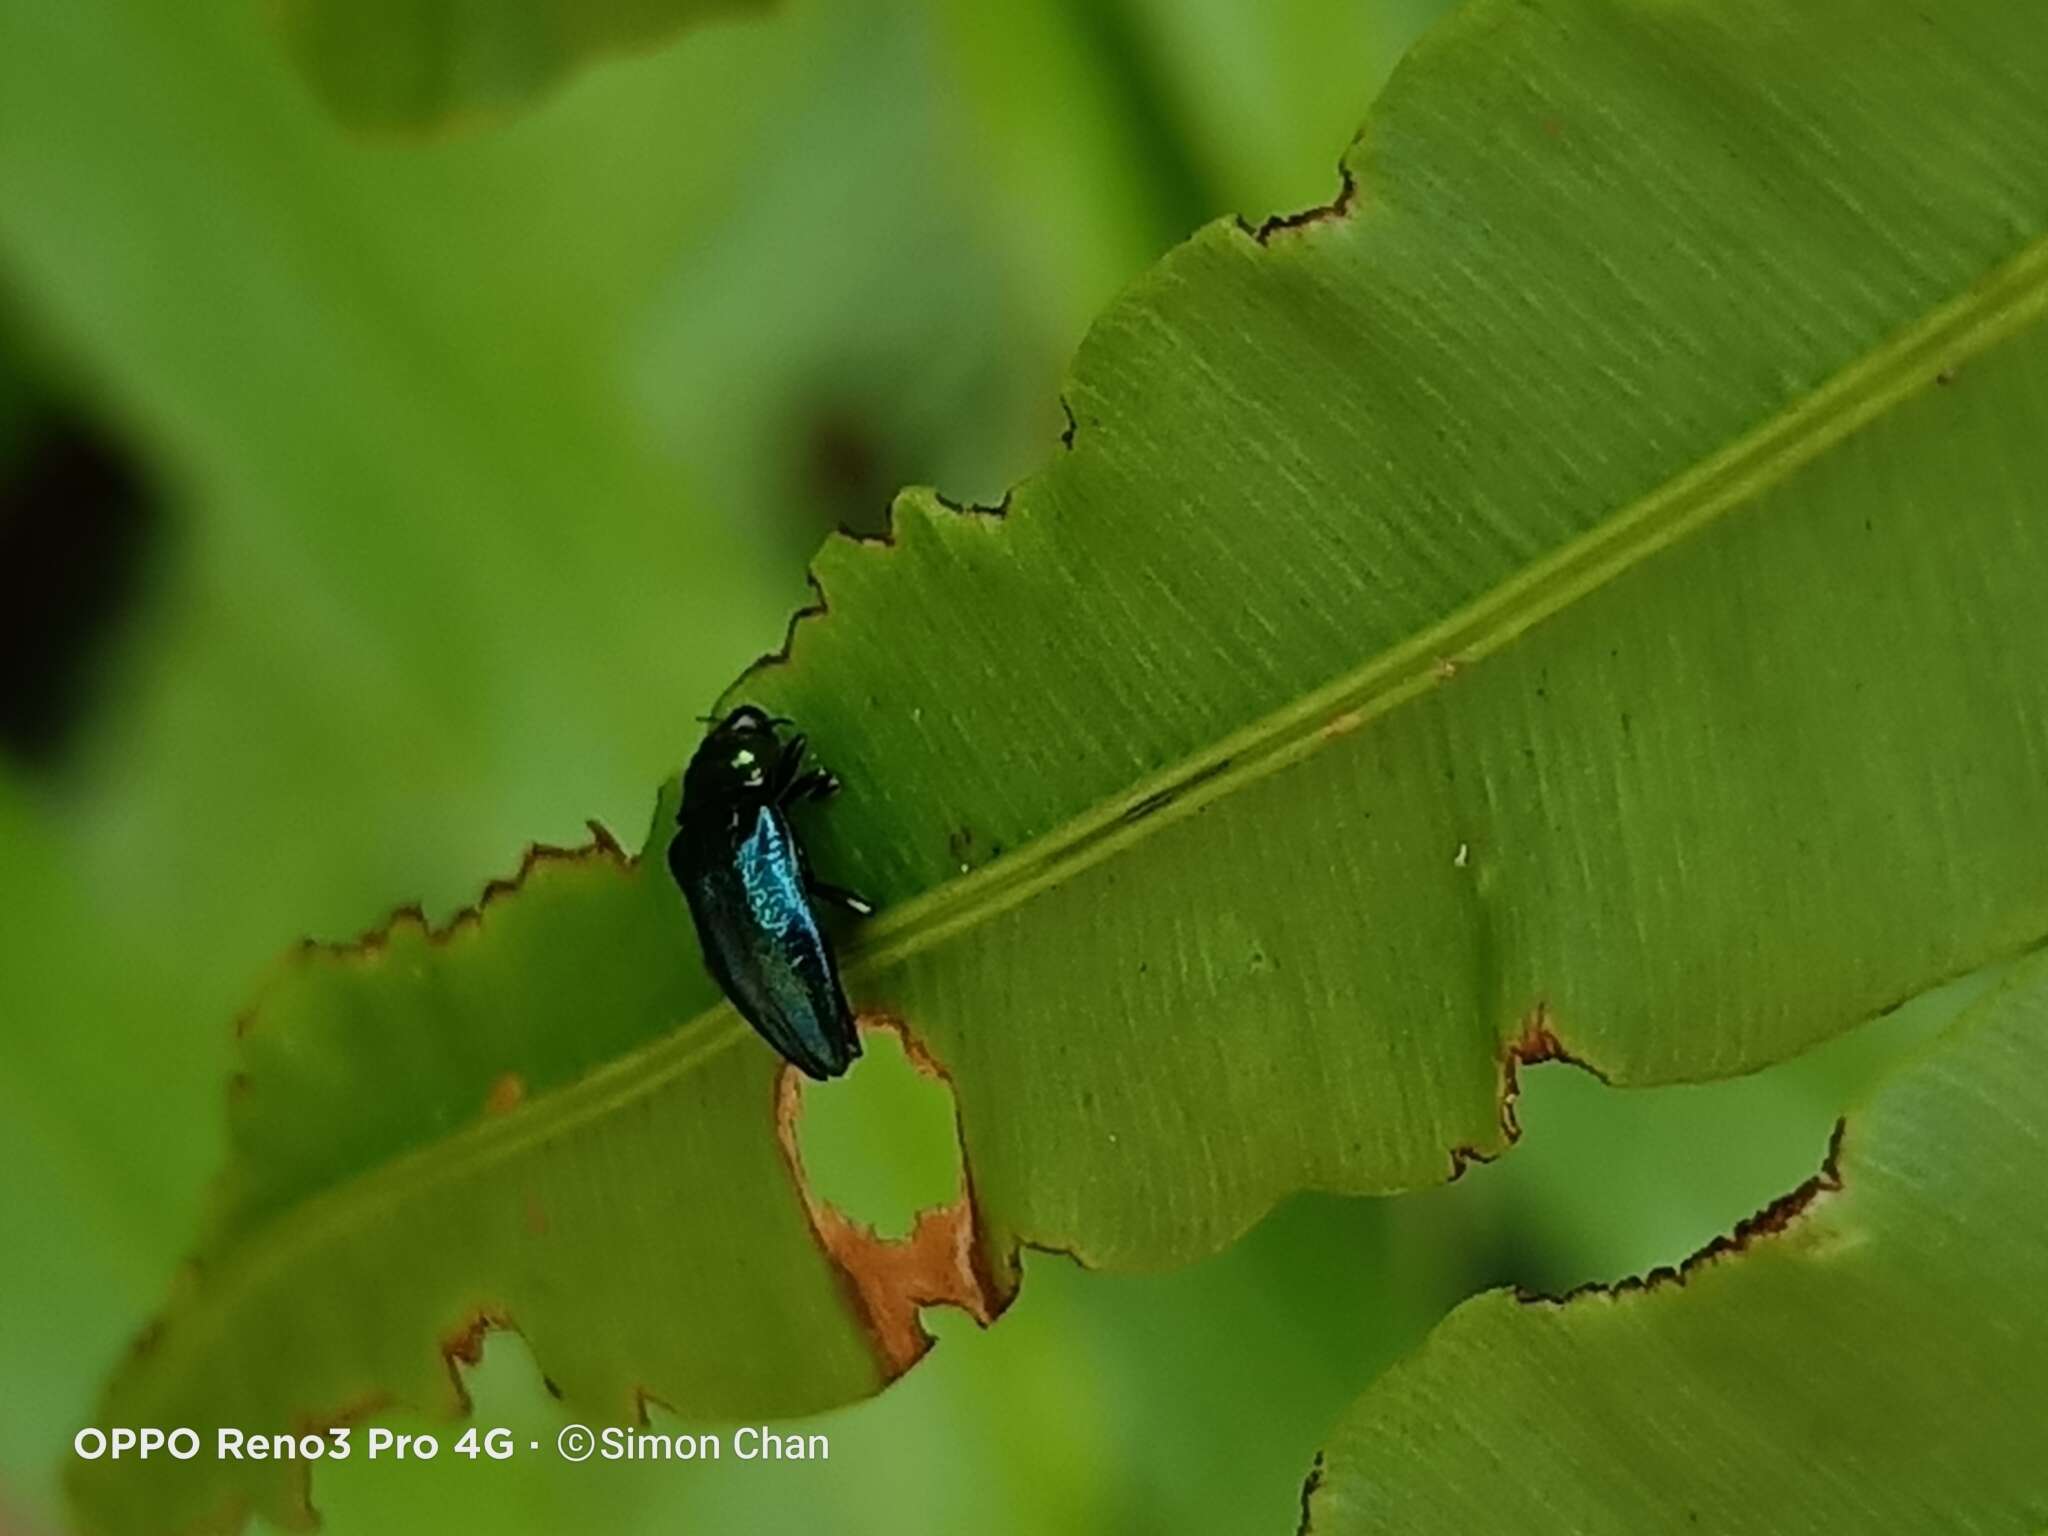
(77,520)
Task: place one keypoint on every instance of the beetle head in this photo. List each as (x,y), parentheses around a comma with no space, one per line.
(737,754)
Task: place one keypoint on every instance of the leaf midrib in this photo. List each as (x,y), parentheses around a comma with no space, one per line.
(1996,307)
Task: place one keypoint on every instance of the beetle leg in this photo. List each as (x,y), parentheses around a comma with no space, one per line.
(789,767)
(841,897)
(818,784)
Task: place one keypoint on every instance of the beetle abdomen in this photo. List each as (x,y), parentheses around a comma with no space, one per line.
(763,943)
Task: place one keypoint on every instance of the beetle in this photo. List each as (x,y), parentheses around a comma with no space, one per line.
(750,889)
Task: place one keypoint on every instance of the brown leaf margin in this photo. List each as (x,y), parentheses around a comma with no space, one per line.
(1775,1220)
(943,1262)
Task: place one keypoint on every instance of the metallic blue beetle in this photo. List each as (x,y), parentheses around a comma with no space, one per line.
(750,888)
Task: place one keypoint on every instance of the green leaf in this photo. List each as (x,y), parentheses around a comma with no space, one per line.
(1578,593)
(611,1237)
(1859,1356)
(448,568)
(1578,596)
(420,63)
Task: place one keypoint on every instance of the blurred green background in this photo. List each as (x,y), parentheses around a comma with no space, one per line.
(372,506)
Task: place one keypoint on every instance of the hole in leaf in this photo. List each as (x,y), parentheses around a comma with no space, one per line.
(879,1145)
(1608,1183)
